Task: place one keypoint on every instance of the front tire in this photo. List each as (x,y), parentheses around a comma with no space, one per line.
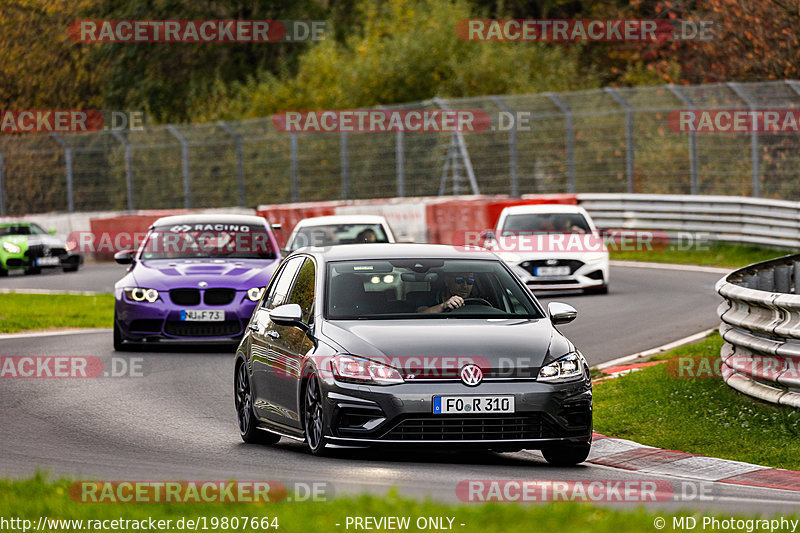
(3,272)
(567,454)
(597,290)
(248,424)
(314,417)
(119,344)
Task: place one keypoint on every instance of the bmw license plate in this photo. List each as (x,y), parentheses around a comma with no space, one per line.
(552,271)
(472,405)
(200,315)
(47,261)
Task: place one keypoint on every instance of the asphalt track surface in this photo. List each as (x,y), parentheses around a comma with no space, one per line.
(177,421)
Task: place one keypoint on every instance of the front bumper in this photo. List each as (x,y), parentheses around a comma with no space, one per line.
(33,257)
(402,415)
(160,322)
(583,274)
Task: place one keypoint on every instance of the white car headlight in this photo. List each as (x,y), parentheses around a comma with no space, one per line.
(255,293)
(11,248)
(508,257)
(595,256)
(141,294)
(565,368)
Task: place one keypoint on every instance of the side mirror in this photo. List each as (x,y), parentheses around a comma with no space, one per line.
(125,257)
(561,313)
(52,231)
(288,315)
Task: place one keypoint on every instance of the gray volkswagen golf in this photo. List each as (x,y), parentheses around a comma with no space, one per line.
(410,344)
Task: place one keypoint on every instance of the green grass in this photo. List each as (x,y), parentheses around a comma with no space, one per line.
(32,498)
(717,254)
(40,311)
(702,416)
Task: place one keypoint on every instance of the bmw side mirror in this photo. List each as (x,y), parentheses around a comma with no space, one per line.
(561,313)
(287,315)
(125,257)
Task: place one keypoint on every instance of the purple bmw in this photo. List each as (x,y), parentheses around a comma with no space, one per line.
(194,279)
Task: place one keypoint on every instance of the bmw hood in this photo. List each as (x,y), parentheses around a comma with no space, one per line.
(492,343)
(240,274)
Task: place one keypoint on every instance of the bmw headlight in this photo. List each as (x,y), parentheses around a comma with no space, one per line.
(140,294)
(255,293)
(566,368)
(11,248)
(359,370)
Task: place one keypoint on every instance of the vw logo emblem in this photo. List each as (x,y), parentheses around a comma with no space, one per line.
(471,375)
(202,284)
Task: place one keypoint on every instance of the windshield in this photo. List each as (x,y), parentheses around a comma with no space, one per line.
(21,229)
(546,223)
(411,288)
(219,241)
(332,234)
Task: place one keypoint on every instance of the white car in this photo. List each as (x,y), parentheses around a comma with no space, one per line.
(552,247)
(340,229)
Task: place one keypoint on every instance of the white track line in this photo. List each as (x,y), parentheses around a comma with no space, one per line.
(48,291)
(7,336)
(654,351)
(671,266)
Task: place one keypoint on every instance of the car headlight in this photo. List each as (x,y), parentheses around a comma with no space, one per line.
(508,257)
(255,293)
(140,294)
(596,256)
(565,368)
(358,370)
(11,248)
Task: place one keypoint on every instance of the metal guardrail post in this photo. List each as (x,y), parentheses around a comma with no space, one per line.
(693,178)
(2,187)
(237,146)
(68,164)
(629,148)
(187,183)
(462,149)
(570,139)
(294,170)
(512,148)
(736,88)
(128,167)
(400,163)
(345,162)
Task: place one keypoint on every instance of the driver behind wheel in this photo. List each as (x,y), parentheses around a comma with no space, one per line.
(457,287)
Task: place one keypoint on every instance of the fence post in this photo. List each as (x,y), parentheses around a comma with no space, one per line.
(187,183)
(461,146)
(128,167)
(2,187)
(294,173)
(345,162)
(237,147)
(570,139)
(753,138)
(512,147)
(629,150)
(400,156)
(68,164)
(693,178)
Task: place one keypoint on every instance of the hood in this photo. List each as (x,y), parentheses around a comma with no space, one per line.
(493,343)
(240,274)
(24,241)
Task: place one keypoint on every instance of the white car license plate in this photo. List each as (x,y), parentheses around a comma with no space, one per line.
(472,405)
(200,315)
(48,261)
(552,271)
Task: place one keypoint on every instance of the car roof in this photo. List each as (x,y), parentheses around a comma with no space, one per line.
(543,208)
(342,219)
(211,218)
(357,252)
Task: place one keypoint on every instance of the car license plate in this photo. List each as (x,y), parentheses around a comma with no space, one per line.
(199,315)
(553,271)
(471,405)
(48,261)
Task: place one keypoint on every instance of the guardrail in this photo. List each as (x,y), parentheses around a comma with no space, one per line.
(761,328)
(735,219)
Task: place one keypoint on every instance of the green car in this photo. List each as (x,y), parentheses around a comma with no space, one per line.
(26,246)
